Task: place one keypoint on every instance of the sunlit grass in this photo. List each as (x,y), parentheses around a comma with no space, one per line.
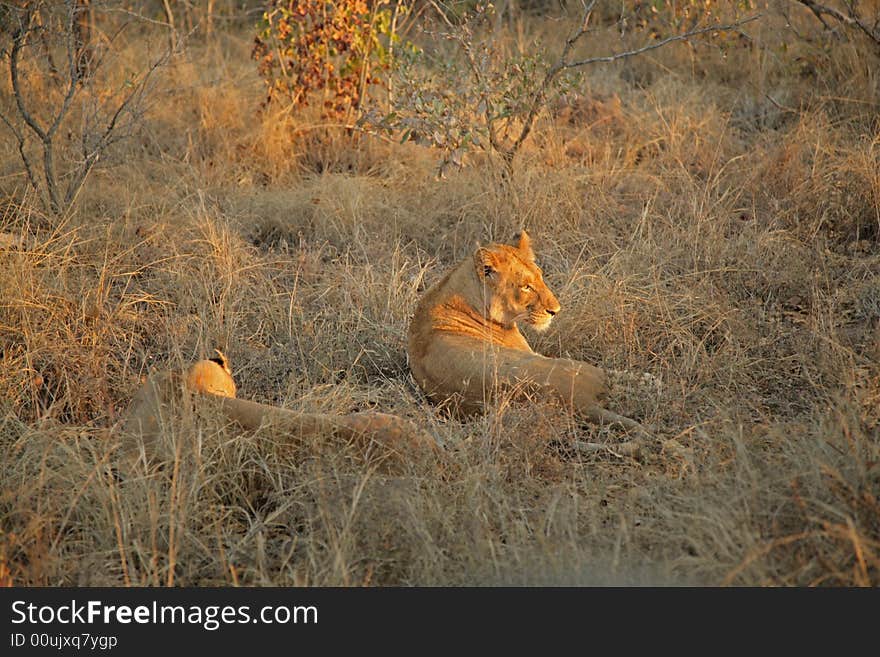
(692,229)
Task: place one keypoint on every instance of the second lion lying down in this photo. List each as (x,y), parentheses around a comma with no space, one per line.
(208,385)
(464,341)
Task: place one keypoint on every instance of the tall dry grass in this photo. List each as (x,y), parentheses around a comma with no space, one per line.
(710,220)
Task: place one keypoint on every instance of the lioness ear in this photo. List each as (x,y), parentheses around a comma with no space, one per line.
(486,262)
(221,360)
(524,244)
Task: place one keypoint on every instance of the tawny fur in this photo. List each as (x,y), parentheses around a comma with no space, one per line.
(212,376)
(464,341)
(209,385)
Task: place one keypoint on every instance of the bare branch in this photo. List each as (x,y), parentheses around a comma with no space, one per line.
(73,71)
(109,135)
(169,17)
(664,42)
(574,38)
(541,94)
(440,12)
(18,41)
(96,136)
(852,20)
(139,16)
(19,137)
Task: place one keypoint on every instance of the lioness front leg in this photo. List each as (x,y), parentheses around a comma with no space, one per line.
(477,370)
(580,386)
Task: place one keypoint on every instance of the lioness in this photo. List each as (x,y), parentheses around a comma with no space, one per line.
(464,340)
(209,383)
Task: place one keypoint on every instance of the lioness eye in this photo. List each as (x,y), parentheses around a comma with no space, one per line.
(526,288)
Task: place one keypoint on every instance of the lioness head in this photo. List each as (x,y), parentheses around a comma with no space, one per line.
(211,376)
(513,285)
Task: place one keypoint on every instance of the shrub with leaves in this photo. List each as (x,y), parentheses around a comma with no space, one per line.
(331,49)
(479,95)
(472,95)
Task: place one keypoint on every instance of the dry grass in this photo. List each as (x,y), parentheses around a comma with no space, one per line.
(712,222)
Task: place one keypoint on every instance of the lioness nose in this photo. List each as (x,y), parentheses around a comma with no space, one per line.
(552,312)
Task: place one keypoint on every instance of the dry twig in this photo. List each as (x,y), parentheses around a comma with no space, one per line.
(79,73)
(563,64)
(851,19)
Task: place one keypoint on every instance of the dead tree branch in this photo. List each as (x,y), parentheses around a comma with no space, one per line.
(96,136)
(19,137)
(851,19)
(540,97)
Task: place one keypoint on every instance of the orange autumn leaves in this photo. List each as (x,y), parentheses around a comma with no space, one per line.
(326,51)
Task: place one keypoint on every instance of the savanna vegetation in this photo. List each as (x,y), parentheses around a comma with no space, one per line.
(252,176)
